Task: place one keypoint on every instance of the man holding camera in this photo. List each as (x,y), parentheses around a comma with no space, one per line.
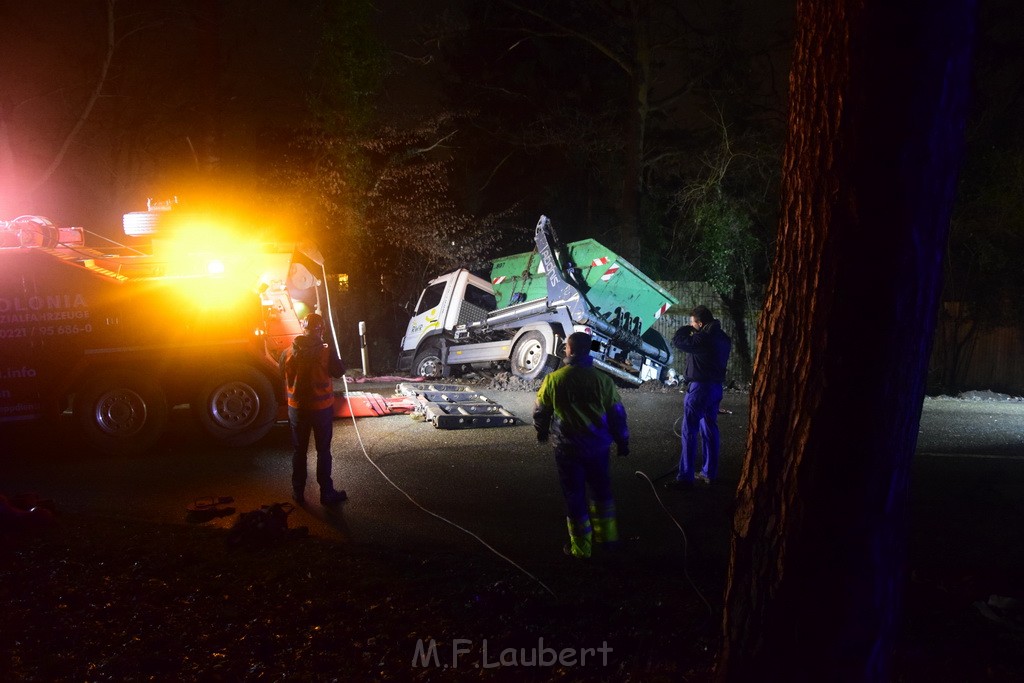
(708,348)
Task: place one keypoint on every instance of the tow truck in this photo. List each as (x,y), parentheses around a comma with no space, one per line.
(121,335)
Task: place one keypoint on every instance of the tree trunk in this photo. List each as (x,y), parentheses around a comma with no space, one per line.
(816,570)
(639,108)
(629,211)
(10,192)
(208,65)
(739,308)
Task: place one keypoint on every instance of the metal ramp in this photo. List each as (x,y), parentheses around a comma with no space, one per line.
(451,406)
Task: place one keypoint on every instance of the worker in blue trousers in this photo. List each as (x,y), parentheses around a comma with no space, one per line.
(708,348)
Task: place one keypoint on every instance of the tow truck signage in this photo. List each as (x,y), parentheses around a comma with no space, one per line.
(39,303)
(23,317)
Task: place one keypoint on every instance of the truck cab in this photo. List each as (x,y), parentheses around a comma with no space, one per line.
(459,307)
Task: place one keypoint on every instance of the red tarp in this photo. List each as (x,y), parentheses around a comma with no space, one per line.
(366,404)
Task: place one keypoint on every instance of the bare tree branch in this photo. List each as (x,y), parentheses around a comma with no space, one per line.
(424,150)
(100,83)
(495,170)
(590,40)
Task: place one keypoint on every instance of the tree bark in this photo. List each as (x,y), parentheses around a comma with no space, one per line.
(817,564)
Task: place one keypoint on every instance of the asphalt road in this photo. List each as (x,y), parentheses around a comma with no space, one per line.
(499,484)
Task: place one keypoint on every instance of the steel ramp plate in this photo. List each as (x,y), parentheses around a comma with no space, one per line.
(450,406)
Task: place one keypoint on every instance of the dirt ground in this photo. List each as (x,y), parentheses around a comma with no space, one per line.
(103,599)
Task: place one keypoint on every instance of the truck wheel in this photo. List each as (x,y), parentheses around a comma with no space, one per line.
(122,413)
(236,405)
(428,362)
(530,357)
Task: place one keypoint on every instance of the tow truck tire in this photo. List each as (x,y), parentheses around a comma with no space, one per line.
(530,357)
(428,362)
(121,412)
(236,405)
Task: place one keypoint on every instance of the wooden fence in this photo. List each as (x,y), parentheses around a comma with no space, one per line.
(691,294)
(991,359)
(964,359)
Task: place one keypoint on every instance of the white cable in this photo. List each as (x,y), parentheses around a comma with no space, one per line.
(686,572)
(398,488)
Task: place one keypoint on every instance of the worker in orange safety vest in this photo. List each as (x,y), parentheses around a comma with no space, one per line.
(308,366)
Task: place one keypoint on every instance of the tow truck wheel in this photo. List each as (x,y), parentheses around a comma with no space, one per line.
(530,357)
(428,362)
(236,405)
(122,413)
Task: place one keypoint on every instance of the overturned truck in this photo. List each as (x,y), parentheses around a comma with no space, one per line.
(519,319)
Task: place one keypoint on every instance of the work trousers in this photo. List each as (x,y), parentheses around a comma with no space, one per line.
(587,520)
(578,469)
(700,416)
(321,424)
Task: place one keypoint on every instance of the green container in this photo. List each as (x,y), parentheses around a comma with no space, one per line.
(612,282)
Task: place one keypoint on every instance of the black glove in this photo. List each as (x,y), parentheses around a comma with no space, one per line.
(623,450)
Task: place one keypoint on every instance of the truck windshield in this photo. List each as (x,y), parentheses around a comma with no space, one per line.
(431,297)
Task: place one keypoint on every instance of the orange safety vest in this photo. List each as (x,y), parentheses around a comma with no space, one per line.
(306,378)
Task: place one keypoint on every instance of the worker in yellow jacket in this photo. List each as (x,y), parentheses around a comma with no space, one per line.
(580,407)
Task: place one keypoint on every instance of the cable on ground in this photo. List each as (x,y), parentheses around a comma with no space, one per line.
(412,500)
(686,572)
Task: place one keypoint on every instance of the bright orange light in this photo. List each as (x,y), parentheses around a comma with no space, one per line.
(222,260)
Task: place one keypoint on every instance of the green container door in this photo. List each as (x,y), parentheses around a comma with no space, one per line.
(512,276)
(613,282)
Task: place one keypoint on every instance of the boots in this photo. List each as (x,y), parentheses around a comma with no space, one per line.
(606,527)
(580,538)
(332,496)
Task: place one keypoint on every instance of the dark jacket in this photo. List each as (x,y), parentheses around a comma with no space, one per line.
(580,406)
(307,368)
(709,352)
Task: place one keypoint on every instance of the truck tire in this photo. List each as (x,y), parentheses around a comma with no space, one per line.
(235,404)
(121,412)
(428,362)
(531,358)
